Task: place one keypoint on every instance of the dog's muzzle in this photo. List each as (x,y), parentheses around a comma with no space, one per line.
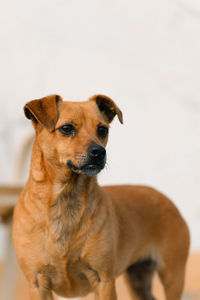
(94,162)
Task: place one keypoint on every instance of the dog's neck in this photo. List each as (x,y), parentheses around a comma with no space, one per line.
(73,201)
(73,197)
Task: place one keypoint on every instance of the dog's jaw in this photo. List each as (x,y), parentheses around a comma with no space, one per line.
(88,169)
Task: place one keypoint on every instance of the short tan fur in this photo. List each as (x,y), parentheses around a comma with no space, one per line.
(74,237)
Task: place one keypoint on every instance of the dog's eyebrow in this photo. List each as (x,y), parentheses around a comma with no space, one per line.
(67,121)
(103,124)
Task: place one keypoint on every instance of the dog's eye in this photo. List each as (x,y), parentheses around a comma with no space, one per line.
(67,129)
(102,131)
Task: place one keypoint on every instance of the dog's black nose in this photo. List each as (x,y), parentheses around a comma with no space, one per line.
(97,151)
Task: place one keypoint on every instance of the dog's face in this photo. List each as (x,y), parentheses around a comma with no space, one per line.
(73,135)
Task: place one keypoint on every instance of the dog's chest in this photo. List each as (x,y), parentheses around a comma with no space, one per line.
(64,216)
(69,226)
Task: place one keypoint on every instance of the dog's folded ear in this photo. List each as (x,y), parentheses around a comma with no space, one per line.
(108,107)
(43,111)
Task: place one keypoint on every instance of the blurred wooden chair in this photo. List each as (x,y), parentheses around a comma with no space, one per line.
(9,194)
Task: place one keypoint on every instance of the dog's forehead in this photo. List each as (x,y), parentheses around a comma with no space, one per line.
(78,112)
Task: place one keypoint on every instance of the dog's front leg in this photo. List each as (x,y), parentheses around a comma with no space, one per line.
(106,291)
(38,294)
(39,291)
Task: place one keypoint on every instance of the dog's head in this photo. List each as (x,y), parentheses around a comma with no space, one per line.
(73,135)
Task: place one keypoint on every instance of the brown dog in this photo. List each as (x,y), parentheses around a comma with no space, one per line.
(74,237)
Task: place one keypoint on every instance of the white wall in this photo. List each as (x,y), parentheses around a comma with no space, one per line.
(144,54)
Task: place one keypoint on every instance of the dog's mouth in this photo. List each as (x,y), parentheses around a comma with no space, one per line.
(89,169)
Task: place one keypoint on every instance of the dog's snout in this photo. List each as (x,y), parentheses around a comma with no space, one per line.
(97,151)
